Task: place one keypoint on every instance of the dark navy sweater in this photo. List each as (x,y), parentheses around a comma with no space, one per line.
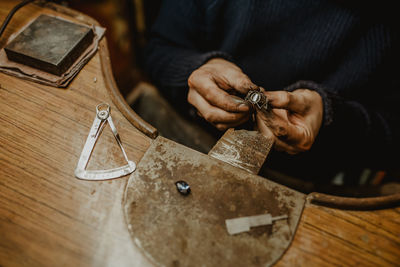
(346,52)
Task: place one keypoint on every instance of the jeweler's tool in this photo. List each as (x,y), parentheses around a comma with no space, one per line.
(257,99)
(50,44)
(102,117)
(243,224)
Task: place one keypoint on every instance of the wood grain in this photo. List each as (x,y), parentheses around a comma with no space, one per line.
(332,237)
(50,218)
(47,216)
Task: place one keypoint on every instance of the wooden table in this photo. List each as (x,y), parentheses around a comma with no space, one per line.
(50,218)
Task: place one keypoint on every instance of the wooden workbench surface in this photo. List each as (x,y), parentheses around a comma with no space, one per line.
(50,218)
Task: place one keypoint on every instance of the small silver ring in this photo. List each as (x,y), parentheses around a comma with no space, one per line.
(257,99)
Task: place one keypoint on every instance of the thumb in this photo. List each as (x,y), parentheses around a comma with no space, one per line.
(286,100)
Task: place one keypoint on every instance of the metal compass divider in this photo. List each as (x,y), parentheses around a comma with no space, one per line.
(102,117)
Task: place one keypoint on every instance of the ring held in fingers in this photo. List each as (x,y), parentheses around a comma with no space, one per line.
(257,100)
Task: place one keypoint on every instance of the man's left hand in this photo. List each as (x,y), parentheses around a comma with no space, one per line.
(295,119)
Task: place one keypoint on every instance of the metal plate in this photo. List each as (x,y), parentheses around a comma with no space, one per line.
(50,44)
(176,230)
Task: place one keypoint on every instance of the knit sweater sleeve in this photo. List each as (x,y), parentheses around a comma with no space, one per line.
(356,132)
(178,43)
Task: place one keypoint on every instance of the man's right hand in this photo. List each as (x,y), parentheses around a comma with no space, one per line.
(208,86)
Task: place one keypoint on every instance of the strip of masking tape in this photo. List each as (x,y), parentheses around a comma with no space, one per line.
(243,224)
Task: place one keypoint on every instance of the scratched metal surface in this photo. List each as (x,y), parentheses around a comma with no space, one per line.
(174,230)
(243,149)
(50,44)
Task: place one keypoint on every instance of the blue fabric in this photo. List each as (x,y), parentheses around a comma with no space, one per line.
(345,52)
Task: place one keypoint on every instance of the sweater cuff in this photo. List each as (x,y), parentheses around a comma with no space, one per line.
(213,54)
(326,95)
(186,64)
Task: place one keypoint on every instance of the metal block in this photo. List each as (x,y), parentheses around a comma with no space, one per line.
(50,44)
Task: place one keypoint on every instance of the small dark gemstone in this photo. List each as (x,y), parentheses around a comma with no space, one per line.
(183,187)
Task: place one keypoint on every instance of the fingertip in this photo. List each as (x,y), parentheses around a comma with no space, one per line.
(268,94)
(244,107)
(221,127)
(244,84)
(253,86)
(278,99)
(239,105)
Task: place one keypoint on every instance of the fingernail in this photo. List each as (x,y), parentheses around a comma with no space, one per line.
(237,99)
(242,105)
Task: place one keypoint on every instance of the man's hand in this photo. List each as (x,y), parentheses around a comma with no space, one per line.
(295,119)
(208,86)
